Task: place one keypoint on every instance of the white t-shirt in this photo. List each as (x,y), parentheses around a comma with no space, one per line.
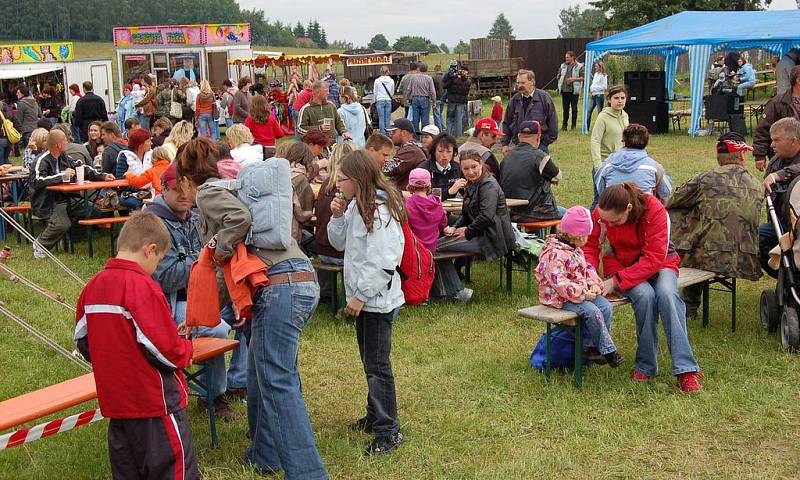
(599,83)
(379,91)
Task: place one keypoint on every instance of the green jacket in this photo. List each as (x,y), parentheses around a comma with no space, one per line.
(607,134)
(715,219)
(311,116)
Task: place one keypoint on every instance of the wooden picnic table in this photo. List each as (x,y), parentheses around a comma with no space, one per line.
(455,206)
(86,187)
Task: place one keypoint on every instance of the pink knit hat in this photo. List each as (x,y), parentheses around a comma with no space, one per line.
(577,221)
(419,178)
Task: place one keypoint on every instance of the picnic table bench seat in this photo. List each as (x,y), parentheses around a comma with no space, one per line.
(103,222)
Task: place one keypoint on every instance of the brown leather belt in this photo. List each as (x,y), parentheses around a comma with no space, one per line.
(281,278)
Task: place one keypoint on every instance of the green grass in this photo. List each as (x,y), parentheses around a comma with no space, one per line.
(469,403)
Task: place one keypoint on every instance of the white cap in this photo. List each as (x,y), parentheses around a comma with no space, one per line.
(429,129)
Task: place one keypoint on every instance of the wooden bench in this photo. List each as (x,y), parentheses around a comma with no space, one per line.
(676,116)
(338,300)
(539,227)
(70,393)
(562,319)
(16,211)
(763,85)
(449,256)
(105,222)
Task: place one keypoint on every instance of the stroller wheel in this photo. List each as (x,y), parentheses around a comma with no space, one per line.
(770,314)
(790,330)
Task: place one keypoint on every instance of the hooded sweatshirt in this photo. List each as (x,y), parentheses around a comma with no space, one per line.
(427,219)
(634,165)
(607,134)
(355,120)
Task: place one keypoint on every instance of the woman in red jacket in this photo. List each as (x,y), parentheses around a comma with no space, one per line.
(643,264)
(262,124)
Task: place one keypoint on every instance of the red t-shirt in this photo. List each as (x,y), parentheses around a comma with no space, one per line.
(264,133)
(302,98)
(497,112)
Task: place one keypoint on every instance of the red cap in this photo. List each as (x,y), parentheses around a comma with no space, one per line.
(488,124)
(170,176)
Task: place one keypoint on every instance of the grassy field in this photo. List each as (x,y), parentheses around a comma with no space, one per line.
(470,405)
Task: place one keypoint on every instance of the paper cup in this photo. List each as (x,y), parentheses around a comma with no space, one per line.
(79,174)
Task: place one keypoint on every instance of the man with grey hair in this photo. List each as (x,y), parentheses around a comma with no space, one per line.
(783,69)
(786,105)
(52,168)
(320,114)
(782,169)
(530,104)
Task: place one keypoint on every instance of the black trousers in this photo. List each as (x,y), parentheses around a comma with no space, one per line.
(160,448)
(374,333)
(570,103)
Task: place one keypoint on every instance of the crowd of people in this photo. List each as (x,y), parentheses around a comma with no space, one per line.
(173,157)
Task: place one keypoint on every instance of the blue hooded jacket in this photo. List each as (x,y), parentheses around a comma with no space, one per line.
(634,165)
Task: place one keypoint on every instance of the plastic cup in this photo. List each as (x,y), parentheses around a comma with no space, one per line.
(79,174)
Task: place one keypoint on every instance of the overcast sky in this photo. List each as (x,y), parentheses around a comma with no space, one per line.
(445,21)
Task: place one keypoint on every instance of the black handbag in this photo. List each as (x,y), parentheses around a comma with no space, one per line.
(395,103)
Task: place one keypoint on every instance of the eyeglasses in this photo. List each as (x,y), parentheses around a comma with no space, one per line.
(340,179)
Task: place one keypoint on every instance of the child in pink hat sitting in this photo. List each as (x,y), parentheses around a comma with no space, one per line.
(567,281)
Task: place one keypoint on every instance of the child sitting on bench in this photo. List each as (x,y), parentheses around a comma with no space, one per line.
(568,282)
(125,328)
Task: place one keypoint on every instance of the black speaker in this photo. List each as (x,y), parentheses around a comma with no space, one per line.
(654,86)
(736,124)
(653,115)
(722,106)
(635,86)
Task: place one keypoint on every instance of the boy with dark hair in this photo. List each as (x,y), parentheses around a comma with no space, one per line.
(125,328)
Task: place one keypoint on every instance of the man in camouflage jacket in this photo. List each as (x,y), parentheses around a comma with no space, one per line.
(715,219)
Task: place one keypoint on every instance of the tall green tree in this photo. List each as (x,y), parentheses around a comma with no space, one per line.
(443,48)
(625,14)
(409,43)
(577,23)
(501,28)
(462,48)
(299,31)
(323,38)
(378,42)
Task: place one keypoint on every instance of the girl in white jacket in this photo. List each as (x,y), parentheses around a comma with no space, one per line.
(366,224)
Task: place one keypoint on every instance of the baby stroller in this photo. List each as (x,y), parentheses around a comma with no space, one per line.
(781,305)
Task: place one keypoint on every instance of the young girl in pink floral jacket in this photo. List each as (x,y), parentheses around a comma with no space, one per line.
(568,282)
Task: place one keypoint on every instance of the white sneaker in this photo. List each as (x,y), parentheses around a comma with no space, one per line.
(464,295)
(39,252)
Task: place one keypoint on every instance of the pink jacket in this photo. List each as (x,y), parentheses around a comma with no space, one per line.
(427,219)
(563,274)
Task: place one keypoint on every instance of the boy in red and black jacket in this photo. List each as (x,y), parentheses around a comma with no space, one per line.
(125,328)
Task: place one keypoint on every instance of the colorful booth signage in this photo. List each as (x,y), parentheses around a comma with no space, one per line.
(227,34)
(36,53)
(362,61)
(182,35)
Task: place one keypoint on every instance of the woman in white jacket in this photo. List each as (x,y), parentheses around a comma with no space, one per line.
(598,91)
(366,225)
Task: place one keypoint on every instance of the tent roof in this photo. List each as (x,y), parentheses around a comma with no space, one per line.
(706,28)
(27,70)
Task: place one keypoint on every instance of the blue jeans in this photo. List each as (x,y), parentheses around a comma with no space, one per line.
(228,122)
(420,113)
(5,150)
(215,129)
(218,363)
(204,125)
(296,116)
(384,108)
(596,317)
(598,101)
(75,129)
(437,115)
(144,121)
(651,299)
(744,86)
(455,119)
(237,370)
(767,240)
(280,430)
(374,334)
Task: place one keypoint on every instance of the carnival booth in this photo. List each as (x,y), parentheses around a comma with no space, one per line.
(197,52)
(40,64)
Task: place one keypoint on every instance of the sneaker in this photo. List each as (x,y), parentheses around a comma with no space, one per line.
(361,425)
(638,376)
(689,382)
(614,359)
(464,295)
(385,445)
(39,252)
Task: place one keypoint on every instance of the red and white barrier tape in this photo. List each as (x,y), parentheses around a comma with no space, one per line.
(32,434)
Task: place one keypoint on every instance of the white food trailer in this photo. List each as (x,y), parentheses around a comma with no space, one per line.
(197,52)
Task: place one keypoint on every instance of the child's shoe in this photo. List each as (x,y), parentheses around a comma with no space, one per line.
(614,359)
(689,382)
(385,445)
(638,376)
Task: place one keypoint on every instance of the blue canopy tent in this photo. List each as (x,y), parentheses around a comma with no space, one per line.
(699,34)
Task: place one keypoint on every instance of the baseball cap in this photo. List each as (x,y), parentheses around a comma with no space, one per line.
(402,124)
(530,127)
(170,176)
(420,178)
(431,130)
(317,137)
(497,98)
(488,124)
(732,142)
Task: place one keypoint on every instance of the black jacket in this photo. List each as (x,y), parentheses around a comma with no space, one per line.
(779,107)
(541,108)
(443,180)
(485,214)
(47,171)
(89,108)
(457,88)
(110,155)
(526,173)
(53,105)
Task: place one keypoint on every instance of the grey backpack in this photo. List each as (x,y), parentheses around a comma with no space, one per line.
(265,188)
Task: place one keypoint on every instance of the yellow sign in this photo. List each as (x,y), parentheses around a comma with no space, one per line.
(36,53)
(361,61)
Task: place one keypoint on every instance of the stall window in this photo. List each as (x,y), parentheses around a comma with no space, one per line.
(185,65)
(135,66)
(161,66)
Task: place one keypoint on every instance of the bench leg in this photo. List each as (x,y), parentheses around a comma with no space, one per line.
(706,293)
(530,280)
(468,271)
(212,417)
(547,354)
(508,273)
(335,294)
(733,304)
(89,240)
(579,353)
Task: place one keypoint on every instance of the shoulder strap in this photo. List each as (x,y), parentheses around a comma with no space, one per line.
(386,88)
(232,185)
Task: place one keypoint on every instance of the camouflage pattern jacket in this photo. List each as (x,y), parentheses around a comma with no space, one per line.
(715,219)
